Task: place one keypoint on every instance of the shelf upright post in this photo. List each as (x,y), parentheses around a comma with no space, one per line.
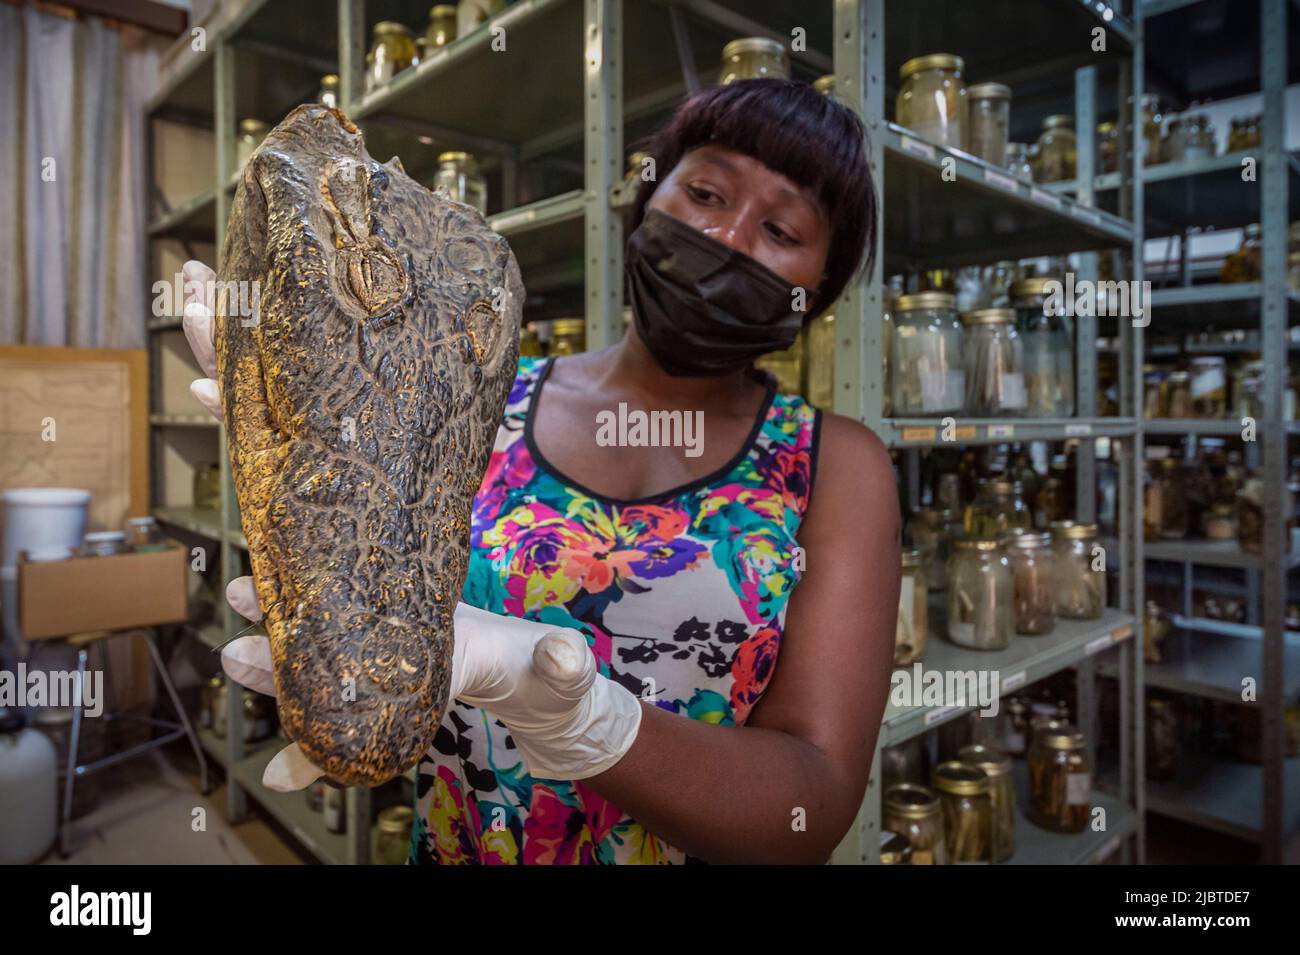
(602,169)
(1273,178)
(352,51)
(859,55)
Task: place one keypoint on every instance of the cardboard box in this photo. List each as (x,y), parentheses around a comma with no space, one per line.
(63,597)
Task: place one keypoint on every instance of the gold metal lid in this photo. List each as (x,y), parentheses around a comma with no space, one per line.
(960,779)
(454,155)
(253,126)
(396,819)
(825,84)
(976,543)
(993,761)
(1031,288)
(989,91)
(895,848)
(1073,530)
(392,28)
(330,81)
(911,801)
(569,326)
(934,61)
(920,300)
(1027,540)
(1060,736)
(989,316)
(1059,121)
(442,10)
(752,44)
(1106,127)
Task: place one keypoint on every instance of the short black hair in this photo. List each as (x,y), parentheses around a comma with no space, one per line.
(811,139)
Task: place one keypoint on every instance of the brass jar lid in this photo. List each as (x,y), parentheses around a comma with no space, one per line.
(392,28)
(753,44)
(569,326)
(994,762)
(989,91)
(1031,287)
(922,300)
(455,155)
(911,801)
(1060,736)
(933,61)
(825,84)
(396,819)
(330,81)
(1106,127)
(976,543)
(1059,121)
(1027,540)
(1073,530)
(989,316)
(253,126)
(895,849)
(960,779)
(442,10)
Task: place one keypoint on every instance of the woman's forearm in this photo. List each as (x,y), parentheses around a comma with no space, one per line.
(730,794)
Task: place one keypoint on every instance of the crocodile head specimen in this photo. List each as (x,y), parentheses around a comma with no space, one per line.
(362,388)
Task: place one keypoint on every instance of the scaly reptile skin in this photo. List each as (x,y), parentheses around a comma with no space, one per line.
(361,404)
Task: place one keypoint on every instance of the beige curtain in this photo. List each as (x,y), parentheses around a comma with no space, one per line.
(72,229)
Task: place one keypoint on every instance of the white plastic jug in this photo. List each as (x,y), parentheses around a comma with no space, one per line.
(28,791)
(41,517)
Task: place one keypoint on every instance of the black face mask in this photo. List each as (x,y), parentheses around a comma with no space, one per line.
(702,308)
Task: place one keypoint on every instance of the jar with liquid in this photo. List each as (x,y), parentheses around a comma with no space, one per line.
(994,360)
(932,99)
(1177,399)
(143,534)
(442,27)
(328,95)
(1047,342)
(1173,500)
(912,628)
(1014,730)
(207,487)
(1057,150)
(392,835)
(1051,504)
(904,763)
(895,849)
(996,509)
(1209,386)
(251,134)
(1198,141)
(1152,120)
(996,765)
(931,529)
(392,50)
(1033,567)
(529,344)
(1108,147)
(990,117)
(786,366)
(1246,263)
(752,57)
(1018,161)
(1246,133)
(569,336)
(458,174)
(981,595)
(821,364)
(967,811)
(1080,589)
(928,376)
(914,811)
(1060,780)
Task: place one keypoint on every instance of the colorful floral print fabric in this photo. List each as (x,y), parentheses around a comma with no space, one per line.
(682,598)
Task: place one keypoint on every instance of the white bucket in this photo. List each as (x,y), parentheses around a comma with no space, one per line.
(42,517)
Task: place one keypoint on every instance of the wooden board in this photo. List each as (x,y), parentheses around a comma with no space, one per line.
(97,401)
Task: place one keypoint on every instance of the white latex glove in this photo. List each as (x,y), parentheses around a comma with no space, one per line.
(197,322)
(567,720)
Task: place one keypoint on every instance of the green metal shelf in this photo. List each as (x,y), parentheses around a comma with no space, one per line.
(930,432)
(193,220)
(1224,796)
(1212,553)
(183,420)
(1037,846)
(1213,665)
(195,520)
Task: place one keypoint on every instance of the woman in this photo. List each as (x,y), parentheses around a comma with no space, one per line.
(626,587)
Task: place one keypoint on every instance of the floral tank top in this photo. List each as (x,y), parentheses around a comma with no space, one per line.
(681,596)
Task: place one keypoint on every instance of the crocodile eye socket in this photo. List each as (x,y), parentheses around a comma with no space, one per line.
(372,276)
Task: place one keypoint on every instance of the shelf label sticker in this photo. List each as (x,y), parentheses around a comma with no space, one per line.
(999,180)
(942,713)
(1014,682)
(1109,846)
(1078,430)
(964,432)
(1045,199)
(1096,646)
(916,147)
(1087,215)
(919,434)
(1121,633)
(1002,430)
(502,223)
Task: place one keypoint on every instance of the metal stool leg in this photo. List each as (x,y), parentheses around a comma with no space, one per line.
(180,710)
(66,823)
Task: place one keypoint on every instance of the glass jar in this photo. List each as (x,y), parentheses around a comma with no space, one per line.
(458,174)
(895,849)
(529,344)
(1220,522)
(1018,161)
(1162,740)
(1060,780)
(1051,504)
(786,366)
(904,763)
(932,99)
(1108,147)
(1247,386)
(990,116)
(328,94)
(998,508)
(1173,500)
(392,839)
(1015,727)
(392,50)
(1209,386)
(913,623)
(996,765)
(1151,122)
(1155,628)
(1247,133)
(442,27)
(1047,342)
(1198,137)
(1245,264)
(931,530)
(1080,589)
(143,534)
(928,376)
(752,57)
(569,336)
(1250,516)
(1033,567)
(914,812)
(1057,150)
(820,390)
(103,544)
(967,811)
(981,594)
(1177,399)
(994,360)
(251,134)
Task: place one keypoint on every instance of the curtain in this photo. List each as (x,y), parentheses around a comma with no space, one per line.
(73,255)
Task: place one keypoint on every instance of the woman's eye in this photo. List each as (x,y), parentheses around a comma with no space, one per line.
(780,235)
(701,195)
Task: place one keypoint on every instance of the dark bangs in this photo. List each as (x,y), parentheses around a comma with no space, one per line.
(813,140)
